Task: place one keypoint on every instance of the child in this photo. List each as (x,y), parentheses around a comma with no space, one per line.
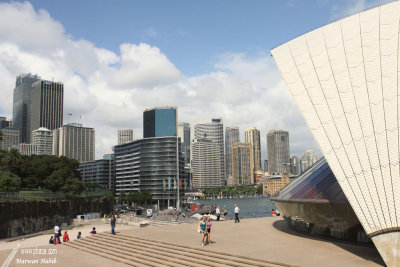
(65,236)
(79,235)
(51,241)
(93,231)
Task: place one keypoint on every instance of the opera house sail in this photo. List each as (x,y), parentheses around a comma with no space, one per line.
(344,78)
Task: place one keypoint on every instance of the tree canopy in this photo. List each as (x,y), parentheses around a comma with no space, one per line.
(39,171)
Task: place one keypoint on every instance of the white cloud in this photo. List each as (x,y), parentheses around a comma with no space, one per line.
(108,91)
(342,9)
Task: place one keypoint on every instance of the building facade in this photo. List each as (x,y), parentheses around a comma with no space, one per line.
(22,100)
(252,136)
(278,151)
(26,149)
(160,122)
(344,78)
(100,172)
(4,123)
(125,136)
(295,165)
(154,165)
(213,131)
(242,164)
(232,136)
(184,135)
(273,184)
(206,164)
(308,159)
(43,139)
(74,141)
(10,138)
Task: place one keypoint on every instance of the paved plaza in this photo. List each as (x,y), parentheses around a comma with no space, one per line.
(262,238)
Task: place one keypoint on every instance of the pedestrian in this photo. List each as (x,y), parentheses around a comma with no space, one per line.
(51,241)
(273,213)
(93,232)
(113,220)
(277,212)
(57,234)
(79,235)
(237,213)
(202,230)
(218,213)
(208,227)
(65,237)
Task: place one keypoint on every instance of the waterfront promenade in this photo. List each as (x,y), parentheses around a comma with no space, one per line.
(262,238)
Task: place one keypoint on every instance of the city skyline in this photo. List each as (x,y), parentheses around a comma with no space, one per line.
(100,92)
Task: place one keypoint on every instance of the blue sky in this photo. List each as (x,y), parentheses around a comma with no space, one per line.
(208,58)
(193,33)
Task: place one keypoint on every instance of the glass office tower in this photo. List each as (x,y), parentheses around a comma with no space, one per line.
(159,122)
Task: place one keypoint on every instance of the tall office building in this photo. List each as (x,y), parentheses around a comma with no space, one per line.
(213,131)
(252,136)
(206,164)
(266,165)
(125,136)
(100,172)
(43,139)
(242,164)
(308,159)
(160,122)
(278,151)
(295,165)
(184,135)
(47,105)
(10,138)
(4,123)
(75,142)
(232,136)
(22,101)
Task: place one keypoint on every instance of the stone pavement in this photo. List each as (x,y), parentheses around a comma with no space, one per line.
(262,238)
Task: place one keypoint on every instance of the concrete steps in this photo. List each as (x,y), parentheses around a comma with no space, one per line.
(135,251)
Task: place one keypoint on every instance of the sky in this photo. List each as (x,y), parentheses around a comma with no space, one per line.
(208,58)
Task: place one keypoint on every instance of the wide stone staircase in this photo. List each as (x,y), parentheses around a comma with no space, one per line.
(135,251)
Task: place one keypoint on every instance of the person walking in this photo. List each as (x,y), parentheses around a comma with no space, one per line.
(218,213)
(202,229)
(113,220)
(57,234)
(208,227)
(237,213)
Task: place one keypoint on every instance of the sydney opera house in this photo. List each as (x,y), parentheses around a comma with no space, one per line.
(344,78)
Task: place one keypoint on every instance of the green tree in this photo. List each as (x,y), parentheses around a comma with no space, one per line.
(9,182)
(260,189)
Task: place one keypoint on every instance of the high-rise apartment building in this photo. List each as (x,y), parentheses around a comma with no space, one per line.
(4,123)
(10,138)
(308,159)
(232,136)
(242,164)
(43,139)
(184,135)
(22,101)
(213,131)
(278,151)
(125,136)
(295,165)
(160,122)
(47,105)
(100,172)
(75,142)
(252,136)
(206,164)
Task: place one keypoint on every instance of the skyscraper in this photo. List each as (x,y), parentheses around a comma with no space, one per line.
(278,151)
(213,131)
(160,122)
(75,142)
(22,101)
(295,165)
(43,139)
(206,164)
(4,123)
(308,159)
(242,164)
(252,136)
(232,136)
(47,105)
(125,136)
(184,134)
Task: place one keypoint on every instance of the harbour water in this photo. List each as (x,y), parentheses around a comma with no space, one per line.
(249,207)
